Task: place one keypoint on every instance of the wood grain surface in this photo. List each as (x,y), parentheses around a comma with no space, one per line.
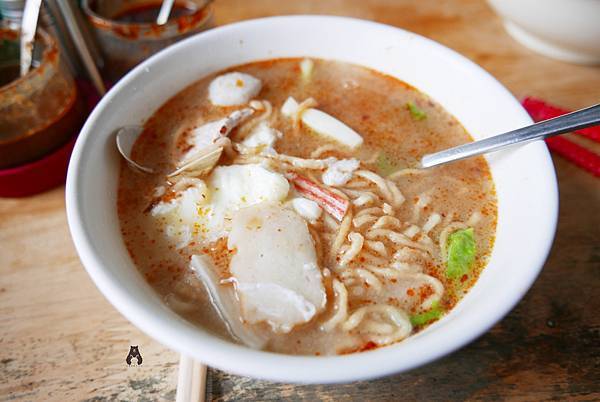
(61,340)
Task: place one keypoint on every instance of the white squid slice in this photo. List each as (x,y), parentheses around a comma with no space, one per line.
(324,124)
(329,126)
(225,302)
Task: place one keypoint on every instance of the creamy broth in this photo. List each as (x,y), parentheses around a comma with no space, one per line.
(396,276)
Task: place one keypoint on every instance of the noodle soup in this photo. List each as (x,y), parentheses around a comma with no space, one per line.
(286,212)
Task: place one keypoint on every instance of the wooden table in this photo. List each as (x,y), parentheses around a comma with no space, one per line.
(61,340)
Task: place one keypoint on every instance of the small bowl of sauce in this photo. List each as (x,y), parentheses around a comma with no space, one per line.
(40,111)
(127,32)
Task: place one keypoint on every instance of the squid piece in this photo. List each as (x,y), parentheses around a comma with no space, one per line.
(323,124)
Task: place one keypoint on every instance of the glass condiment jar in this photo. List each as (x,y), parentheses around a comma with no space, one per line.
(39,111)
(127,33)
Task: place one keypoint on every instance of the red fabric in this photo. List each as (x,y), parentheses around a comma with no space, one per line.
(540,110)
(578,155)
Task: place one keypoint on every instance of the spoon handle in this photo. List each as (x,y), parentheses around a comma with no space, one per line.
(29,24)
(559,125)
(165,11)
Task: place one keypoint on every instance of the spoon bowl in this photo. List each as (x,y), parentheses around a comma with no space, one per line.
(126,137)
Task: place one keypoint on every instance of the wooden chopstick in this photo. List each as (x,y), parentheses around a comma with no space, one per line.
(191,380)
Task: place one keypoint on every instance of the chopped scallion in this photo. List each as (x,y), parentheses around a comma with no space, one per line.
(415,112)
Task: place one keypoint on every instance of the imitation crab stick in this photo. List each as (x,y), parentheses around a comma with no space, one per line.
(335,205)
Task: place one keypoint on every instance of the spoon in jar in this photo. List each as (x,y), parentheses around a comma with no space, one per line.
(559,125)
(29,23)
(165,11)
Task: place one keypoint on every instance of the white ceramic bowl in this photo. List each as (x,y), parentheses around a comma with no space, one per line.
(567,30)
(525,180)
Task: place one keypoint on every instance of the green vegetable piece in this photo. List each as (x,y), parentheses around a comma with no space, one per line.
(415,112)
(385,165)
(433,314)
(461,253)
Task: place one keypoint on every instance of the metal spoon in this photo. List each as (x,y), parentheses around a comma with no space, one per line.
(559,125)
(165,11)
(28,28)
(126,137)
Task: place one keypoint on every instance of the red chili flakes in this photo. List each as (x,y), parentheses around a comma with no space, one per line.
(425,292)
(410,292)
(464,278)
(368,346)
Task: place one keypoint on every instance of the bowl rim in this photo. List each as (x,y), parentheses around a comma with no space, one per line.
(241,360)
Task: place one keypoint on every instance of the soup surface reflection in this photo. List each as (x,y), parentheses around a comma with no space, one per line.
(286,211)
